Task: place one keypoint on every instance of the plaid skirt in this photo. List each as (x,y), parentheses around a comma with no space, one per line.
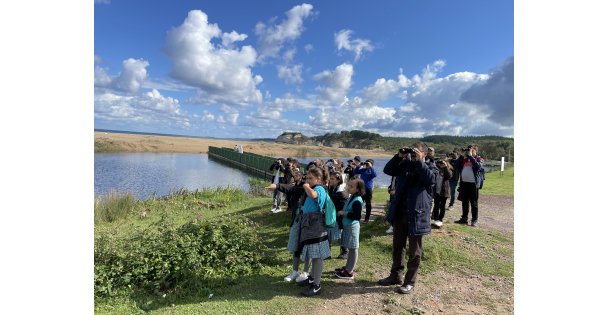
(316,250)
(294,232)
(333,233)
(350,236)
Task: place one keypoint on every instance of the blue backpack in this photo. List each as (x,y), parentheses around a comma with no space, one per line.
(330,212)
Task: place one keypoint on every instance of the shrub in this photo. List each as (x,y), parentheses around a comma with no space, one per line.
(256,187)
(164,258)
(113,206)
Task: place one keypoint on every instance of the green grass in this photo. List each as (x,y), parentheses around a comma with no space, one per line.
(495,184)
(460,250)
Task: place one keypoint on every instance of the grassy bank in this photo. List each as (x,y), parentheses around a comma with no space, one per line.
(459,250)
(499,184)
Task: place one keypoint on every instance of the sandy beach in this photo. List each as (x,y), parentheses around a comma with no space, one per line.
(123,142)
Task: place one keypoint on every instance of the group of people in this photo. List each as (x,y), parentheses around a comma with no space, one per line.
(420,182)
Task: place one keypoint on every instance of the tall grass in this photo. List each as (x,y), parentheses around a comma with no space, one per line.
(113,206)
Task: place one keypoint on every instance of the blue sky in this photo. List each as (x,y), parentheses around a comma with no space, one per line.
(254,69)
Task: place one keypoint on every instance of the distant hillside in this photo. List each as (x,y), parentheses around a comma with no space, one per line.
(491,147)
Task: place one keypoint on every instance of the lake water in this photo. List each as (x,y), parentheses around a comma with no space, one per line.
(144,174)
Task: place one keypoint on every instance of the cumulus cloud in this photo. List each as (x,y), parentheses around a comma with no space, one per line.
(228,39)
(290,75)
(129,80)
(357,45)
(497,92)
(151,108)
(337,83)
(221,74)
(272,38)
(308,48)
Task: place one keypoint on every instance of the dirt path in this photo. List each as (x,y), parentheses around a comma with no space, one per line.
(441,292)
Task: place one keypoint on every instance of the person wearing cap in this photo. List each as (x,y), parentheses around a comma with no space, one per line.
(368,173)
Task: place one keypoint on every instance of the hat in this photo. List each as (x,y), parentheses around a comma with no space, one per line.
(357,158)
(369,161)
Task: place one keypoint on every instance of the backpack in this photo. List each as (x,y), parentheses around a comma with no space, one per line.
(330,212)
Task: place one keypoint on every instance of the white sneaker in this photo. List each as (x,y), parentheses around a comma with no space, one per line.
(303,276)
(293,275)
(438,223)
(390,230)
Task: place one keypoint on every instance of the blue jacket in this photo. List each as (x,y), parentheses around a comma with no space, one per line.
(413,192)
(367,175)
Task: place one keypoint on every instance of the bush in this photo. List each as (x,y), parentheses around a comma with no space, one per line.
(185,258)
(256,187)
(113,207)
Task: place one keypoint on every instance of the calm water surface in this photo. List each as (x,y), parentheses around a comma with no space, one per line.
(144,174)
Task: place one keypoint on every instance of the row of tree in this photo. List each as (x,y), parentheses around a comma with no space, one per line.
(490,147)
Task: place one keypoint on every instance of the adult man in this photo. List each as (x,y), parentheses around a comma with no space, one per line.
(410,212)
(430,154)
(468,166)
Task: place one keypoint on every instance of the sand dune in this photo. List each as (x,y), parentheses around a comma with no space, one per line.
(123,142)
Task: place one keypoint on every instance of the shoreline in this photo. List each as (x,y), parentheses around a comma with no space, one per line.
(112,142)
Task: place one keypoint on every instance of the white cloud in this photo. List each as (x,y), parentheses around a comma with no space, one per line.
(228,39)
(357,45)
(290,75)
(337,84)
(207,116)
(308,48)
(272,38)
(133,75)
(151,109)
(130,79)
(381,90)
(221,74)
(289,55)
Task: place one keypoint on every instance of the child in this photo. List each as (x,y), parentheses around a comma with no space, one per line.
(338,197)
(441,193)
(368,173)
(295,196)
(313,241)
(350,220)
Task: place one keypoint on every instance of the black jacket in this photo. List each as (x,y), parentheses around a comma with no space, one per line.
(413,193)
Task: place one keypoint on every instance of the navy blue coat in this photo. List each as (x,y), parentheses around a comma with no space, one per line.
(413,192)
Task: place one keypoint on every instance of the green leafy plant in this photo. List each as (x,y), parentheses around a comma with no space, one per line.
(165,258)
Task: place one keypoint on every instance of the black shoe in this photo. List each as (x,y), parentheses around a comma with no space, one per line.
(312,290)
(306,282)
(340,269)
(343,274)
(391,280)
(461,221)
(474,223)
(406,289)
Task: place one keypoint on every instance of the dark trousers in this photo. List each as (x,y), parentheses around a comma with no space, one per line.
(470,195)
(453,185)
(439,208)
(414,252)
(368,203)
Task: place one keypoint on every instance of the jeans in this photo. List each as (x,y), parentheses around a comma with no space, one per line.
(453,185)
(368,202)
(439,208)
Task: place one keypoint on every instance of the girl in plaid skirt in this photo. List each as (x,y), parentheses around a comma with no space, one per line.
(350,222)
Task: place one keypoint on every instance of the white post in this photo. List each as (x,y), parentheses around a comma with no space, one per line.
(502,165)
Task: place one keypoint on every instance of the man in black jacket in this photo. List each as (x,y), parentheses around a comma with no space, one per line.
(409,212)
